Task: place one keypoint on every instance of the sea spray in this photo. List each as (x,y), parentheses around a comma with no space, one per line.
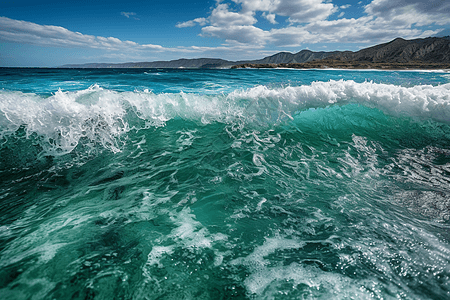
(100,115)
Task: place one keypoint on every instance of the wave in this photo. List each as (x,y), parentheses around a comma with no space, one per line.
(423,101)
(102,116)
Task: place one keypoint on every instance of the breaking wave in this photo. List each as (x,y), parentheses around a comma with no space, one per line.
(101,116)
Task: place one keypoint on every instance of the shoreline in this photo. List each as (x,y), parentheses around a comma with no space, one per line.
(351,65)
(264,67)
(351,69)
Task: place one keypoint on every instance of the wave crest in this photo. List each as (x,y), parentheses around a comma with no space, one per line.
(423,101)
(100,116)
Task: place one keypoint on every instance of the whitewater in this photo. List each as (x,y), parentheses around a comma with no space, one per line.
(224,184)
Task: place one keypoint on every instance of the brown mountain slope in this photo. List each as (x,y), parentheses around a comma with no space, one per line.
(429,50)
(425,53)
(428,53)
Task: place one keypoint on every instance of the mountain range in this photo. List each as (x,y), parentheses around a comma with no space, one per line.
(432,52)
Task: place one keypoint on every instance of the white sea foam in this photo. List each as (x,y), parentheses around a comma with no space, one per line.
(64,118)
(273,280)
(101,116)
(157,252)
(191,234)
(424,101)
(267,278)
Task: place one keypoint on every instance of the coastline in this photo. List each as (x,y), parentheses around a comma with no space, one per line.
(272,67)
(447,70)
(351,65)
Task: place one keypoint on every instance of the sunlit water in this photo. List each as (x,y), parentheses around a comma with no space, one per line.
(224,184)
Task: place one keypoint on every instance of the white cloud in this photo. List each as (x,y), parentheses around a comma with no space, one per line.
(269,17)
(45,35)
(308,21)
(304,11)
(362,30)
(298,11)
(192,23)
(236,23)
(290,36)
(55,36)
(244,34)
(128,14)
(239,26)
(223,17)
(408,12)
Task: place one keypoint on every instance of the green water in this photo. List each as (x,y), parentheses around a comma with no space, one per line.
(204,200)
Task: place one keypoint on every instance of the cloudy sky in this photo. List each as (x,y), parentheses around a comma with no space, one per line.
(55,32)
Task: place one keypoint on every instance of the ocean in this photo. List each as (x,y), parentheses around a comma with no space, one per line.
(224,184)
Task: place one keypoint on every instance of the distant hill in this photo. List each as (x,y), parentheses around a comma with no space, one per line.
(428,53)
(211,63)
(289,58)
(432,52)
(196,63)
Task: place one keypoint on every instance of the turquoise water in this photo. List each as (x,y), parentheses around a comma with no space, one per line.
(224,184)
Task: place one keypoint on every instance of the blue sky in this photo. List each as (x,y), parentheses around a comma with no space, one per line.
(52,33)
